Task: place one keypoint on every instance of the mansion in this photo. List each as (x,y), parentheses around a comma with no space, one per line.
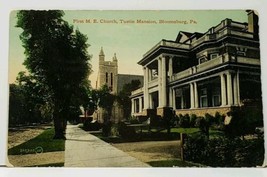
(199,73)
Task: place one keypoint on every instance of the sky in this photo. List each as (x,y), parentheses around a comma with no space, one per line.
(128,40)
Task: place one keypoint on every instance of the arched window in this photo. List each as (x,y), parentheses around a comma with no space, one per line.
(111,81)
(106,78)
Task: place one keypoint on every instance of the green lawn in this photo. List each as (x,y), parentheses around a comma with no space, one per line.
(172,163)
(50,165)
(157,135)
(42,143)
(185,130)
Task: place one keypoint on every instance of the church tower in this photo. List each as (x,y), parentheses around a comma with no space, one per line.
(107,72)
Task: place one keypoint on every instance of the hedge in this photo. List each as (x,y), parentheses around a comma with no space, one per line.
(224,152)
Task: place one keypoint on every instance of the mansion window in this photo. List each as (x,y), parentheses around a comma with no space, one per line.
(216,98)
(202,60)
(154,73)
(241,53)
(137,108)
(203,98)
(214,55)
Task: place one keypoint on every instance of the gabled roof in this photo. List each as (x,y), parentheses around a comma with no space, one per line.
(183,36)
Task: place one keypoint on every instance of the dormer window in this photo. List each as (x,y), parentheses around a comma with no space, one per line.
(241,51)
(202,59)
(214,55)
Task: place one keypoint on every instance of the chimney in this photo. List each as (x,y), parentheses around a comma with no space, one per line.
(253,20)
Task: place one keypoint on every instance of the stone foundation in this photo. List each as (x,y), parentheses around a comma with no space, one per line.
(164,111)
(203,111)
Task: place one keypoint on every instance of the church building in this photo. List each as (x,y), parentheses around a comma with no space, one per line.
(200,73)
(108,75)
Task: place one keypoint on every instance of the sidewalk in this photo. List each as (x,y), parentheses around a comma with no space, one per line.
(85,150)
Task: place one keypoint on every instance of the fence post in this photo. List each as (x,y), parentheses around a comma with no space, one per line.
(182,141)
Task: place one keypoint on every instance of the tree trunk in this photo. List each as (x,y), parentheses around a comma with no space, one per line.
(59,128)
(59,124)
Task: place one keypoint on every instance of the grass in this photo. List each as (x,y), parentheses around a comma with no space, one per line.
(172,163)
(50,165)
(156,135)
(185,130)
(42,143)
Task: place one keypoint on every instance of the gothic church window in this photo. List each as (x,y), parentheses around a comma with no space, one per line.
(106,78)
(111,81)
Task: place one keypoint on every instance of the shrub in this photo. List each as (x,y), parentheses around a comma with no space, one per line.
(114,130)
(133,120)
(218,122)
(224,152)
(204,124)
(193,119)
(125,131)
(194,148)
(106,129)
(88,125)
(176,121)
(243,122)
(184,121)
(198,121)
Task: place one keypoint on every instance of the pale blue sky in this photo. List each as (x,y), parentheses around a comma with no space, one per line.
(128,41)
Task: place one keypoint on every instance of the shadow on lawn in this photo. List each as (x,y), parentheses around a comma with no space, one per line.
(145,136)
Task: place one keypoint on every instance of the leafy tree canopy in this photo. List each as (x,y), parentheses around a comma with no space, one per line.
(56,56)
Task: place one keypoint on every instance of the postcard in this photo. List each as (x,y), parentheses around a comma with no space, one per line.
(135,88)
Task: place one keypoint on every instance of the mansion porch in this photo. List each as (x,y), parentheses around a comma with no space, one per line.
(200,73)
(226,82)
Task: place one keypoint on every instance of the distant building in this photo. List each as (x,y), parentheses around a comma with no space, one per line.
(200,73)
(108,75)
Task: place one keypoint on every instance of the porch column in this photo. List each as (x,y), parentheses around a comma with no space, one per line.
(132,100)
(146,100)
(192,100)
(174,99)
(229,89)
(236,89)
(140,104)
(196,95)
(223,90)
(149,75)
(159,82)
(170,97)
(182,100)
(164,82)
(170,67)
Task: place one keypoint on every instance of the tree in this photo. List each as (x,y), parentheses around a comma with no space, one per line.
(124,96)
(16,108)
(57,57)
(104,99)
(27,105)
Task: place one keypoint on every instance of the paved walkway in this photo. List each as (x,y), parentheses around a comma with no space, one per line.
(85,150)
